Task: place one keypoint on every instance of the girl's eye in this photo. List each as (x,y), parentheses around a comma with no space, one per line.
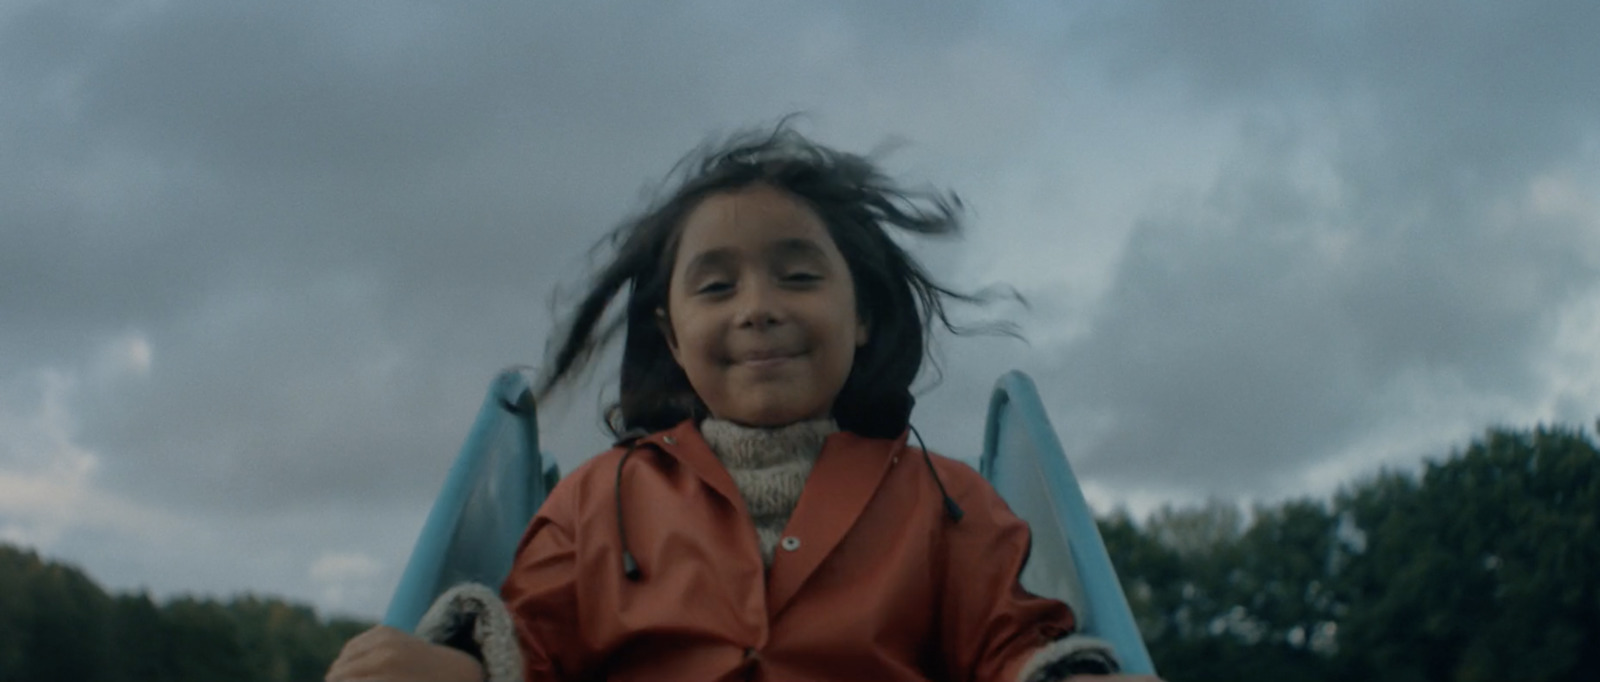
(801,277)
(713,288)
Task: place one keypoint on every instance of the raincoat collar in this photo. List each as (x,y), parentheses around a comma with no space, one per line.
(847,474)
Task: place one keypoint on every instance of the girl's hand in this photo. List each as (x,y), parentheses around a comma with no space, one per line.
(389,655)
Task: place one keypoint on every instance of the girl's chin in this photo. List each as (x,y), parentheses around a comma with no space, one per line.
(769,416)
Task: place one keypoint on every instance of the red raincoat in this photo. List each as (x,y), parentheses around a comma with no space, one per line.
(872,581)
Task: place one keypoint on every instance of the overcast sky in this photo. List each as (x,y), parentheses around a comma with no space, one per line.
(259,261)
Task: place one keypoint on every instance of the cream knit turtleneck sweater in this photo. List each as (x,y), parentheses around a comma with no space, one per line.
(770,467)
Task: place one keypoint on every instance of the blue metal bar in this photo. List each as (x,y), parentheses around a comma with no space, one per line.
(491,493)
(1023,459)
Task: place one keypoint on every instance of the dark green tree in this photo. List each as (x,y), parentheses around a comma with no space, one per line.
(206,642)
(1195,592)
(1485,569)
(56,624)
(286,642)
(53,621)
(142,649)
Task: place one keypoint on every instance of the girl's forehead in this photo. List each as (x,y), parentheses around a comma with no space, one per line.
(753,218)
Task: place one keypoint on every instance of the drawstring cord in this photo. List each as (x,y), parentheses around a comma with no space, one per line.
(630,567)
(951,509)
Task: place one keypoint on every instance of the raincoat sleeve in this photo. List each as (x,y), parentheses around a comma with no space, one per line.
(991,628)
(541,594)
(470,617)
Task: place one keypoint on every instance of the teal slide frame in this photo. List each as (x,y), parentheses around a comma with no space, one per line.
(1023,460)
(488,498)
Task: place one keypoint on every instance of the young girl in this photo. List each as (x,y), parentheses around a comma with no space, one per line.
(762,515)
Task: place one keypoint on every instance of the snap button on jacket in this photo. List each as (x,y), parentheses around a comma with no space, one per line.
(885,585)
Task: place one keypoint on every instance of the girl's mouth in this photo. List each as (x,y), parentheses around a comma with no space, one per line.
(766,362)
(765,359)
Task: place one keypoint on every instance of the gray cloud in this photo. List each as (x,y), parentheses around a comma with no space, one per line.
(1372,226)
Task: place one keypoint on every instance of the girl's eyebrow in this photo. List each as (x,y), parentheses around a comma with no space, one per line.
(800,247)
(708,260)
(780,250)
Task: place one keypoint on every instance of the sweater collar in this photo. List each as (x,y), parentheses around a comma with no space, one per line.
(749,447)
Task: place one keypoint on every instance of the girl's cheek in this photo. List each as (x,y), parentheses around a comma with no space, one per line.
(707,345)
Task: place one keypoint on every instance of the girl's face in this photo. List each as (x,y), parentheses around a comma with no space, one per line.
(761,310)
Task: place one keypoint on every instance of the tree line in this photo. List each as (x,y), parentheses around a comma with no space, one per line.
(1484,565)
(57,624)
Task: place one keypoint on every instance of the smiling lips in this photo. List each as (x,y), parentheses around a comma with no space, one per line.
(768,358)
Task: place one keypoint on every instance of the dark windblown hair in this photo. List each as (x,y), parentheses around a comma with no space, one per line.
(894,296)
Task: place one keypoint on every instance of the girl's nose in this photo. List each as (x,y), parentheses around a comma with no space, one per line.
(758,308)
